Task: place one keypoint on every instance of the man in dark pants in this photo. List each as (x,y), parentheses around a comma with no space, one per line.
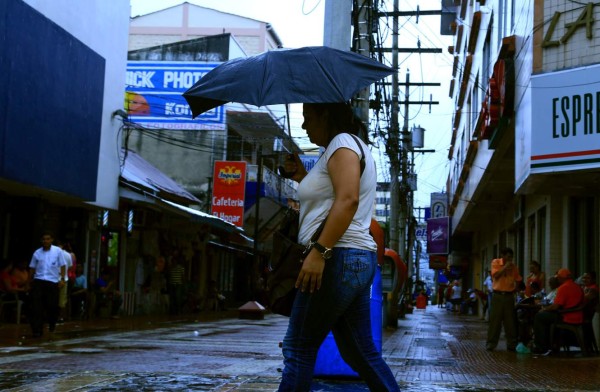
(569,295)
(48,269)
(505,276)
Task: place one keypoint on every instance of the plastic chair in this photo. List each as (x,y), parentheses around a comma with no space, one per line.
(577,329)
(7,299)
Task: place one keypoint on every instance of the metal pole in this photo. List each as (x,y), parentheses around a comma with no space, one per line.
(394,142)
(256,223)
(404,188)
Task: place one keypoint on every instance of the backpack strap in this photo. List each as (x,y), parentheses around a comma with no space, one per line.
(362,154)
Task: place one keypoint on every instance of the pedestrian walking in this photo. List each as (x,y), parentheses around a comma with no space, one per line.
(48,269)
(335,280)
(505,276)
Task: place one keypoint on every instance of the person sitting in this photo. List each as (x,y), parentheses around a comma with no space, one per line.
(469,305)
(553,283)
(14,285)
(107,294)
(568,295)
(536,280)
(590,294)
(79,293)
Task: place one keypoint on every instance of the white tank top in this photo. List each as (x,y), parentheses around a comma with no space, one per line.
(316,195)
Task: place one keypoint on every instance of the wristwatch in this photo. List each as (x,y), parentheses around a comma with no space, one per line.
(326,252)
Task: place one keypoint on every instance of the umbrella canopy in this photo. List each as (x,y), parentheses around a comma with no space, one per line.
(315,74)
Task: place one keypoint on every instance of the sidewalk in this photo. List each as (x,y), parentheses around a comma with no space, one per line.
(432,350)
(434,345)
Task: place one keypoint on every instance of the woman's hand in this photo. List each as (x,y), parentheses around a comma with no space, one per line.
(311,273)
(294,167)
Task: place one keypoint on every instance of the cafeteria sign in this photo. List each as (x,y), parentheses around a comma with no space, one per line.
(229,185)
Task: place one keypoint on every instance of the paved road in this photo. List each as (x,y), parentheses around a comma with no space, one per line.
(432,350)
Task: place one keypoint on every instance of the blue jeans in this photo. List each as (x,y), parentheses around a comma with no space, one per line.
(342,306)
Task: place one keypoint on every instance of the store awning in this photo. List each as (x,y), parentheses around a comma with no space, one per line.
(141,173)
(142,182)
(260,125)
(204,218)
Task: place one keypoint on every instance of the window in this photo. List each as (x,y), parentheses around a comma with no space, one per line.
(582,235)
(541,235)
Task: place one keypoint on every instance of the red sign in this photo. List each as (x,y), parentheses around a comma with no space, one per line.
(229,186)
(438,262)
(499,97)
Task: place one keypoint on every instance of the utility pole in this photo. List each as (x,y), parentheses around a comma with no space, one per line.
(362,12)
(394,142)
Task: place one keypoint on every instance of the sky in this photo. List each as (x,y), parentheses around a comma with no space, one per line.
(300,23)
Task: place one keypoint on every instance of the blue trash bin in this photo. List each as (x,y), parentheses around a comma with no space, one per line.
(329,360)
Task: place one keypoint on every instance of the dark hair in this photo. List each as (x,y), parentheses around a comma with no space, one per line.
(341,118)
(592,275)
(535,263)
(553,282)
(506,251)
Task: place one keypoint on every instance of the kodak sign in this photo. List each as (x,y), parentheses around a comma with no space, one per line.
(229,185)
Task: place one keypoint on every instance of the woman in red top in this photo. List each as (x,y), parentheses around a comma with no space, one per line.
(536,280)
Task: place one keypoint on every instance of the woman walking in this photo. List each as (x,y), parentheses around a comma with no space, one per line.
(336,276)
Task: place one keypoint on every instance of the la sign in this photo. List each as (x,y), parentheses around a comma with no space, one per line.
(585,19)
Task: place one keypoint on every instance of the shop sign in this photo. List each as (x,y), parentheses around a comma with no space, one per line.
(229,187)
(585,19)
(153,95)
(499,97)
(439,204)
(438,262)
(566,130)
(438,235)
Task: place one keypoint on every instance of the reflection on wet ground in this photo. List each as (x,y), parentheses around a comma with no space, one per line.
(430,351)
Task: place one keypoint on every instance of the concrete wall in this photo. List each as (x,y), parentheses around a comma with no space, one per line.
(103,26)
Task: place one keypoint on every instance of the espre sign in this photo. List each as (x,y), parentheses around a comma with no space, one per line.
(565,132)
(577,114)
(586,18)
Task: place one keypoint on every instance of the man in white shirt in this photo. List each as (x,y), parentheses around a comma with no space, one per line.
(48,269)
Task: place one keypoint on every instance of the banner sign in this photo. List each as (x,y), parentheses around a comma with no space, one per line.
(565,132)
(421,232)
(438,262)
(438,235)
(229,186)
(153,96)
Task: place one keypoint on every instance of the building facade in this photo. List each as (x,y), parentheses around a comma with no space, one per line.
(59,160)
(525,171)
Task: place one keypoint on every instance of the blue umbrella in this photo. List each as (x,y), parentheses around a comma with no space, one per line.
(316,74)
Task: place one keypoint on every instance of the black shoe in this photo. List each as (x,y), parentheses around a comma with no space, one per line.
(37,334)
(60,321)
(513,349)
(490,348)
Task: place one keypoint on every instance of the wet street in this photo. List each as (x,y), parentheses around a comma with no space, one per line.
(432,350)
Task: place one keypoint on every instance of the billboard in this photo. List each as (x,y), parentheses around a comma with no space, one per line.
(438,230)
(229,186)
(153,96)
(566,131)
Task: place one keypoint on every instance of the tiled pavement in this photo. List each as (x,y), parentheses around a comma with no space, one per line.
(432,350)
